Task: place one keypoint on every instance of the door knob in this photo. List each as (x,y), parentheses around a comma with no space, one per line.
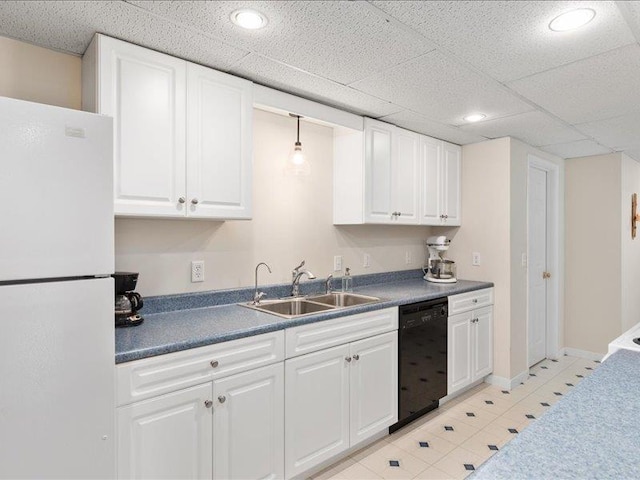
(194,201)
(208,403)
(356,357)
(222,399)
(182,200)
(348,359)
(213,363)
(546,275)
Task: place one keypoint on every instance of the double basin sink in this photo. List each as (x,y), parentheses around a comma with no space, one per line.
(299,306)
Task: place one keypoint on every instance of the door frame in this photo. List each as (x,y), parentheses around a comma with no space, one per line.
(552,344)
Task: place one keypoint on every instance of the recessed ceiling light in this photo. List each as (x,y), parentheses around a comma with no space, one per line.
(249,19)
(573,19)
(474,117)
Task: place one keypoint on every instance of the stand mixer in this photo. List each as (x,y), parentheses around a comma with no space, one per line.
(439,269)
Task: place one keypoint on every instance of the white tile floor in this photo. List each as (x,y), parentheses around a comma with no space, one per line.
(450,442)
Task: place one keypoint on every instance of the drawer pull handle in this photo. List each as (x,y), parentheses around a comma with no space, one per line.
(348,359)
(475,300)
(208,403)
(356,357)
(222,399)
(214,363)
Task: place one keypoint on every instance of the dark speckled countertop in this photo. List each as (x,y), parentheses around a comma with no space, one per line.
(172,331)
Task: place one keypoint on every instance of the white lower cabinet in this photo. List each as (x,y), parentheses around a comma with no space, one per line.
(470,347)
(248,425)
(338,397)
(373,386)
(317,404)
(167,437)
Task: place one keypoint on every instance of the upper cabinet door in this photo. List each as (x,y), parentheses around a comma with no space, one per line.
(406,180)
(219,144)
(378,172)
(451,168)
(430,181)
(144,92)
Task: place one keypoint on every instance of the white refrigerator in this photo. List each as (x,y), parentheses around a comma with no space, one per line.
(57,412)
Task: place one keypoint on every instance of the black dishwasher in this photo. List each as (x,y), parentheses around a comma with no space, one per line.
(422,359)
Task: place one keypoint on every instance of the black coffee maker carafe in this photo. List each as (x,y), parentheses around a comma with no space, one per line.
(127,302)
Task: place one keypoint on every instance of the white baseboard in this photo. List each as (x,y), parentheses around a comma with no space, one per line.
(576,352)
(507,383)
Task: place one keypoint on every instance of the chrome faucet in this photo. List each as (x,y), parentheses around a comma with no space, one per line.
(327,284)
(257,296)
(295,279)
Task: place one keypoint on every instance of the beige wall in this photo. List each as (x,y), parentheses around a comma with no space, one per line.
(292,221)
(593,252)
(630,281)
(485,229)
(38,74)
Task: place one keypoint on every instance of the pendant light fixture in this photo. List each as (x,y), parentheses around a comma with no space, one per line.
(298,163)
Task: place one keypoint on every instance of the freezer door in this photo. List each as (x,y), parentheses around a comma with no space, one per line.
(57,377)
(56,193)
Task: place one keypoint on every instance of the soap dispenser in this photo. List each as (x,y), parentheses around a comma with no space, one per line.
(347,281)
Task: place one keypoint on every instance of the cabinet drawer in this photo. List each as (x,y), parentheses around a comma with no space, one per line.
(155,376)
(317,336)
(470,300)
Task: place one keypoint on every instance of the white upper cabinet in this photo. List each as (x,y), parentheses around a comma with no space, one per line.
(390,175)
(182,133)
(219,144)
(440,177)
(391,172)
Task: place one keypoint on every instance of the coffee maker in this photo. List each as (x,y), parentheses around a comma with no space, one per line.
(439,269)
(127,302)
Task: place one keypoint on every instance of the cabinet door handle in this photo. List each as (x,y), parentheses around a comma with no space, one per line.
(194,201)
(348,359)
(213,363)
(399,214)
(356,357)
(442,216)
(446,216)
(222,399)
(208,403)
(475,300)
(182,200)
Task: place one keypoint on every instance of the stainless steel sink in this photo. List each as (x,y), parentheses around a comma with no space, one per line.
(300,306)
(341,299)
(289,308)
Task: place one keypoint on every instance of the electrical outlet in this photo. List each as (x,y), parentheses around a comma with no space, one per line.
(366,262)
(407,257)
(475,260)
(197,271)
(337,263)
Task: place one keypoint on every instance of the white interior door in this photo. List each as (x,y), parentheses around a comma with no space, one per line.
(537,302)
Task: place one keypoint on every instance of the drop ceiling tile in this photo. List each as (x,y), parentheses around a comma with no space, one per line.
(617,132)
(442,90)
(633,153)
(342,41)
(535,128)
(70,25)
(420,124)
(597,88)
(511,39)
(273,74)
(631,12)
(581,148)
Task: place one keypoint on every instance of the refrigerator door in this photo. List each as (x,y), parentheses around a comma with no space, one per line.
(56,192)
(57,380)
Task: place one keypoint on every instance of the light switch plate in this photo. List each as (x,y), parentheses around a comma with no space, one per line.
(366,262)
(475,260)
(337,263)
